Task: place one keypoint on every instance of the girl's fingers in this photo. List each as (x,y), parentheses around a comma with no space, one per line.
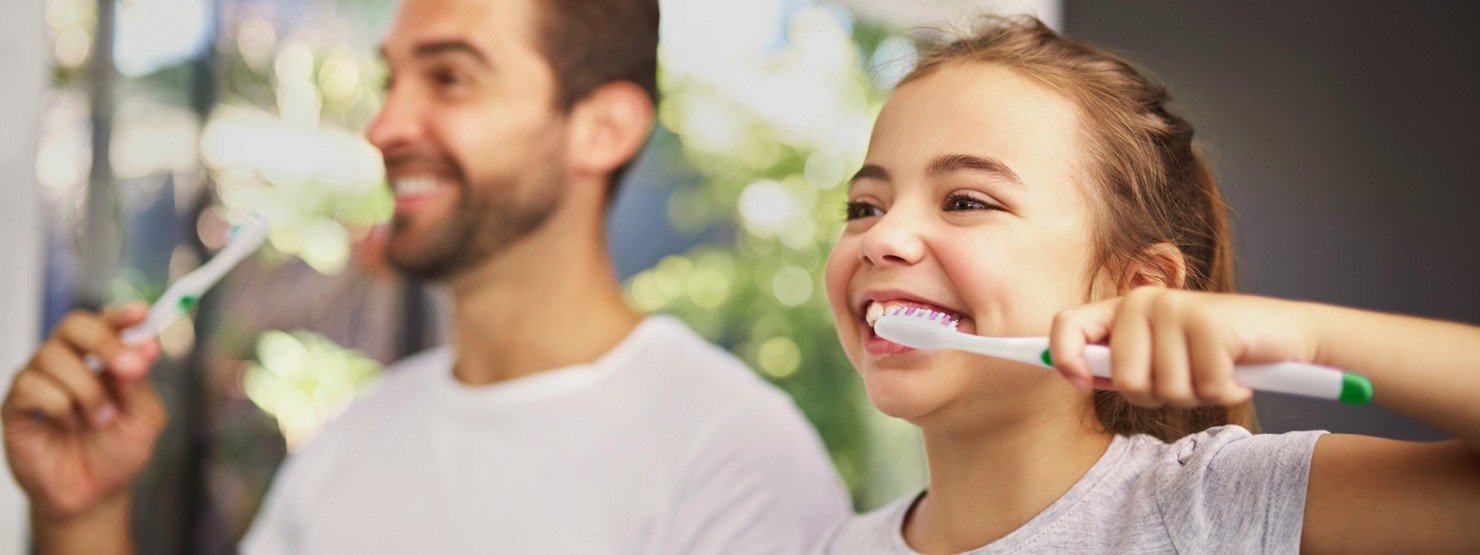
(1074,329)
(1214,383)
(33,394)
(85,389)
(1165,348)
(1130,350)
(1172,377)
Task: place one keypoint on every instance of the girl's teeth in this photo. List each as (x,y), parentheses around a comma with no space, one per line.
(876,310)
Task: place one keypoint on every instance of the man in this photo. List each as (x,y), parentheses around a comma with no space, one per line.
(559,420)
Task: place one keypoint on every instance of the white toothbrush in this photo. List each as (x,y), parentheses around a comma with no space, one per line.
(929,330)
(246,238)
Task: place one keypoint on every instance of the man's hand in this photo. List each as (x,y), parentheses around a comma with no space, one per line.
(76,438)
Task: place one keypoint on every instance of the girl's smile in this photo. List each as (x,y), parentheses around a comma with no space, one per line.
(967,204)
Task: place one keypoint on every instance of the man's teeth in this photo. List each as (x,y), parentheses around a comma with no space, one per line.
(877,310)
(414,186)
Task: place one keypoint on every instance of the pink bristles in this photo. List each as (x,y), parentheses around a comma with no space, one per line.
(918,312)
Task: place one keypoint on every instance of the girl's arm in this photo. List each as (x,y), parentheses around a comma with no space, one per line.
(1366,494)
(1375,495)
(1426,369)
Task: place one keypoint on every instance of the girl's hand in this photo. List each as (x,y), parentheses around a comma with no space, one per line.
(1177,347)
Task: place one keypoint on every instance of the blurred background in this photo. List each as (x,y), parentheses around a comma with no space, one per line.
(134,131)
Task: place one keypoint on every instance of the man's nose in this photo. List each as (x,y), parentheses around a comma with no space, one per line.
(398,123)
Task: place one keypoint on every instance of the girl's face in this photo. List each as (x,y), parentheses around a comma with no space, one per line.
(967,203)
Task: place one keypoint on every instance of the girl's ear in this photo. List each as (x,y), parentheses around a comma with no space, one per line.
(1161,265)
(610,126)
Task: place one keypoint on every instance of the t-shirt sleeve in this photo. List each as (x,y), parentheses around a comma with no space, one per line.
(1228,491)
(760,482)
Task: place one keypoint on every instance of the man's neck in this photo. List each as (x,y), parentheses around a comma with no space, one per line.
(549,301)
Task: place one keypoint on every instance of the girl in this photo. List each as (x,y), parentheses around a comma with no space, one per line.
(1016,175)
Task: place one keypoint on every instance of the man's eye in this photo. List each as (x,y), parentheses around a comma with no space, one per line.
(856,210)
(450,78)
(962,203)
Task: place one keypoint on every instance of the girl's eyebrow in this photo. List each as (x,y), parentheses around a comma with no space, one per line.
(966,162)
(948,163)
(870,171)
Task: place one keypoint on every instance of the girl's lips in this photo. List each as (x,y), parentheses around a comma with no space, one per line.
(879,346)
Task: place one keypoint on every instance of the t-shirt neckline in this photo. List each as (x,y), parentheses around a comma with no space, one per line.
(553,383)
(1102,467)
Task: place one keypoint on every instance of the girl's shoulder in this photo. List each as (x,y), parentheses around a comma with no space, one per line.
(1229,485)
(877,531)
(1225,447)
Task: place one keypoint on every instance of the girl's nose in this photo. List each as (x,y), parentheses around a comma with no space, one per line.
(893,240)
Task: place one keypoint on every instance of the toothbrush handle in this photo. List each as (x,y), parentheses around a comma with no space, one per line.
(1295,378)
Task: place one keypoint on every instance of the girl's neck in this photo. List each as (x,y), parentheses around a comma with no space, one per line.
(989,482)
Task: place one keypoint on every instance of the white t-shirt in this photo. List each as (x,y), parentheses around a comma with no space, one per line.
(1222,490)
(666,445)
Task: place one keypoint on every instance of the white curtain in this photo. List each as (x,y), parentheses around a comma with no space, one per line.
(23,52)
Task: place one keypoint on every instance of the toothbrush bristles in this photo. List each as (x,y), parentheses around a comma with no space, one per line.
(941,318)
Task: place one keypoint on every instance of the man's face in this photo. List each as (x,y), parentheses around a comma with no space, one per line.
(470,136)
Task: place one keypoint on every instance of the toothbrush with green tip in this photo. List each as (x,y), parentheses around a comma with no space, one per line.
(178,299)
(930,331)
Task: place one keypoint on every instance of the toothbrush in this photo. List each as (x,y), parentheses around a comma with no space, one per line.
(186,291)
(929,330)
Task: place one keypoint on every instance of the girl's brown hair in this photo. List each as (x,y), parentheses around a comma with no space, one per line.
(1153,186)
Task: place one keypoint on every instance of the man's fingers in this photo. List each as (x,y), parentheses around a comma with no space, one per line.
(86,389)
(127,315)
(33,394)
(87,333)
(136,394)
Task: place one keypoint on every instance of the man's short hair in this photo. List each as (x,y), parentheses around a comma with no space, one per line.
(590,43)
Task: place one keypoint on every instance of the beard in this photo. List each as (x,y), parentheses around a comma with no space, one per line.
(491,216)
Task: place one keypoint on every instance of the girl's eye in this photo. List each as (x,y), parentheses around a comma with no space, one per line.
(962,203)
(856,210)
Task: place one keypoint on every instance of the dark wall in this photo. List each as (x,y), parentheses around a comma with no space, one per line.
(1346,136)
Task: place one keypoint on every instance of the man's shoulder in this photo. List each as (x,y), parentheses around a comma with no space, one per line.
(406,380)
(403,387)
(678,364)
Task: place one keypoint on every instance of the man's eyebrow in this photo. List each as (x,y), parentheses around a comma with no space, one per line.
(870,171)
(439,47)
(957,162)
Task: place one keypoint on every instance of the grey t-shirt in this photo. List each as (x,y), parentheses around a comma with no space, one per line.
(1223,490)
